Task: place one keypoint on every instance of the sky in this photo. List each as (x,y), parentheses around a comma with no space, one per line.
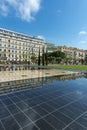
(61,22)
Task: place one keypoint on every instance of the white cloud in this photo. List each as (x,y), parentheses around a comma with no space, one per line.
(82,42)
(3,9)
(82,33)
(41,37)
(25,9)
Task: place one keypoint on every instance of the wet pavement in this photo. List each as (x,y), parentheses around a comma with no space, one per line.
(57,105)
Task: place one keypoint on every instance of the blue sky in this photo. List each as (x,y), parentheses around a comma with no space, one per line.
(62,22)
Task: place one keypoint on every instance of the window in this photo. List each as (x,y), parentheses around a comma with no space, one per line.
(8,45)
(8,40)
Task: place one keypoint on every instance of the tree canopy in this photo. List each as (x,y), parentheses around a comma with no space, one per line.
(56,54)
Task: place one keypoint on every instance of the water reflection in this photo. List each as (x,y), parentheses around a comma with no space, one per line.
(12,67)
(26,83)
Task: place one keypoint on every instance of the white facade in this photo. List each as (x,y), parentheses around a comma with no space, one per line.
(17,46)
(74,53)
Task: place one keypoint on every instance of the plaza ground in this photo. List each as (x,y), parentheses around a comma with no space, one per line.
(28,74)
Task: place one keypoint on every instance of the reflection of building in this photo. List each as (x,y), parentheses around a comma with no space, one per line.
(33,83)
(19,47)
(74,53)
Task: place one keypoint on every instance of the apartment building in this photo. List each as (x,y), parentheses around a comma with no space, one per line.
(74,53)
(19,47)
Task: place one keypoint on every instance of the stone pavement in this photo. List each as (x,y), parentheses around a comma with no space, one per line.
(27,74)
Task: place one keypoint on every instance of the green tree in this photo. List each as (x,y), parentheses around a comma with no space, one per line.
(46,58)
(56,56)
(43,56)
(39,57)
(33,57)
(58,59)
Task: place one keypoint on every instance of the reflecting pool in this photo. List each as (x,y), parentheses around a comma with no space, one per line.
(47,103)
